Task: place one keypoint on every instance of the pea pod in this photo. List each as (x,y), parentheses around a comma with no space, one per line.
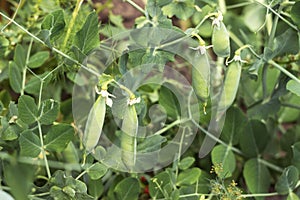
(220,40)
(94,124)
(201,77)
(230,87)
(129,137)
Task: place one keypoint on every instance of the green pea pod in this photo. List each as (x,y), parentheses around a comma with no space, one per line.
(230,87)
(220,41)
(201,77)
(129,137)
(94,124)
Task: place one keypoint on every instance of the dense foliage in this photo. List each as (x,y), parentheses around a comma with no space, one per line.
(196,99)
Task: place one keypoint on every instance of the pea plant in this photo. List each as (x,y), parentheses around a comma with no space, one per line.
(189,100)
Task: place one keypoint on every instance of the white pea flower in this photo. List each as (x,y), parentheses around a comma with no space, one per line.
(133,101)
(218,19)
(106,95)
(201,48)
(236,58)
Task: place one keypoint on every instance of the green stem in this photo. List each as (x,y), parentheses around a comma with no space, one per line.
(270,165)
(72,22)
(290,105)
(178,121)
(25,67)
(43,150)
(264,81)
(286,72)
(222,6)
(260,195)
(136,6)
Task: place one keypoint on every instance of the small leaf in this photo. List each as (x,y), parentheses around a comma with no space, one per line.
(169,102)
(182,9)
(55,23)
(87,38)
(257,177)
(163,180)
(48,111)
(20,57)
(224,155)
(33,85)
(186,163)
(128,189)
(294,87)
(58,137)
(27,109)
(96,171)
(38,59)
(15,77)
(4,43)
(95,188)
(30,144)
(288,180)
(292,196)
(188,177)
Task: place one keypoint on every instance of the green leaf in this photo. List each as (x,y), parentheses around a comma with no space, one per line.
(294,87)
(182,9)
(186,163)
(224,155)
(58,137)
(295,13)
(188,177)
(38,59)
(87,38)
(48,111)
(96,171)
(296,155)
(95,188)
(4,43)
(15,77)
(257,177)
(27,109)
(55,23)
(162,180)
(169,102)
(30,144)
(20,57)
(254,138)
(128,189)
(234,124)
(33,85)
(288,180)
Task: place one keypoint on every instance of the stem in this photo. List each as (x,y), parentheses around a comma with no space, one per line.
(136,6)
(290,105)
(270,165)
(72,22)
(43,151)
(260,195)
(178,121)
(286,72)
(264,81)
(25,67)
(222,6)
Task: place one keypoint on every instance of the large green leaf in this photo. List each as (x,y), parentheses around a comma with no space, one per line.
(254,138)
(169,102)
(182,9)
(58,137)
(30,144)
(188,177)
(294,87)
(27,109)
(128,189)
(225,156)
(87,38)
(233,127)
(20,57)
(95,188)
(15,77)
(55,23)
(257,177)
(48,111)
(288,180)
(33,85)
